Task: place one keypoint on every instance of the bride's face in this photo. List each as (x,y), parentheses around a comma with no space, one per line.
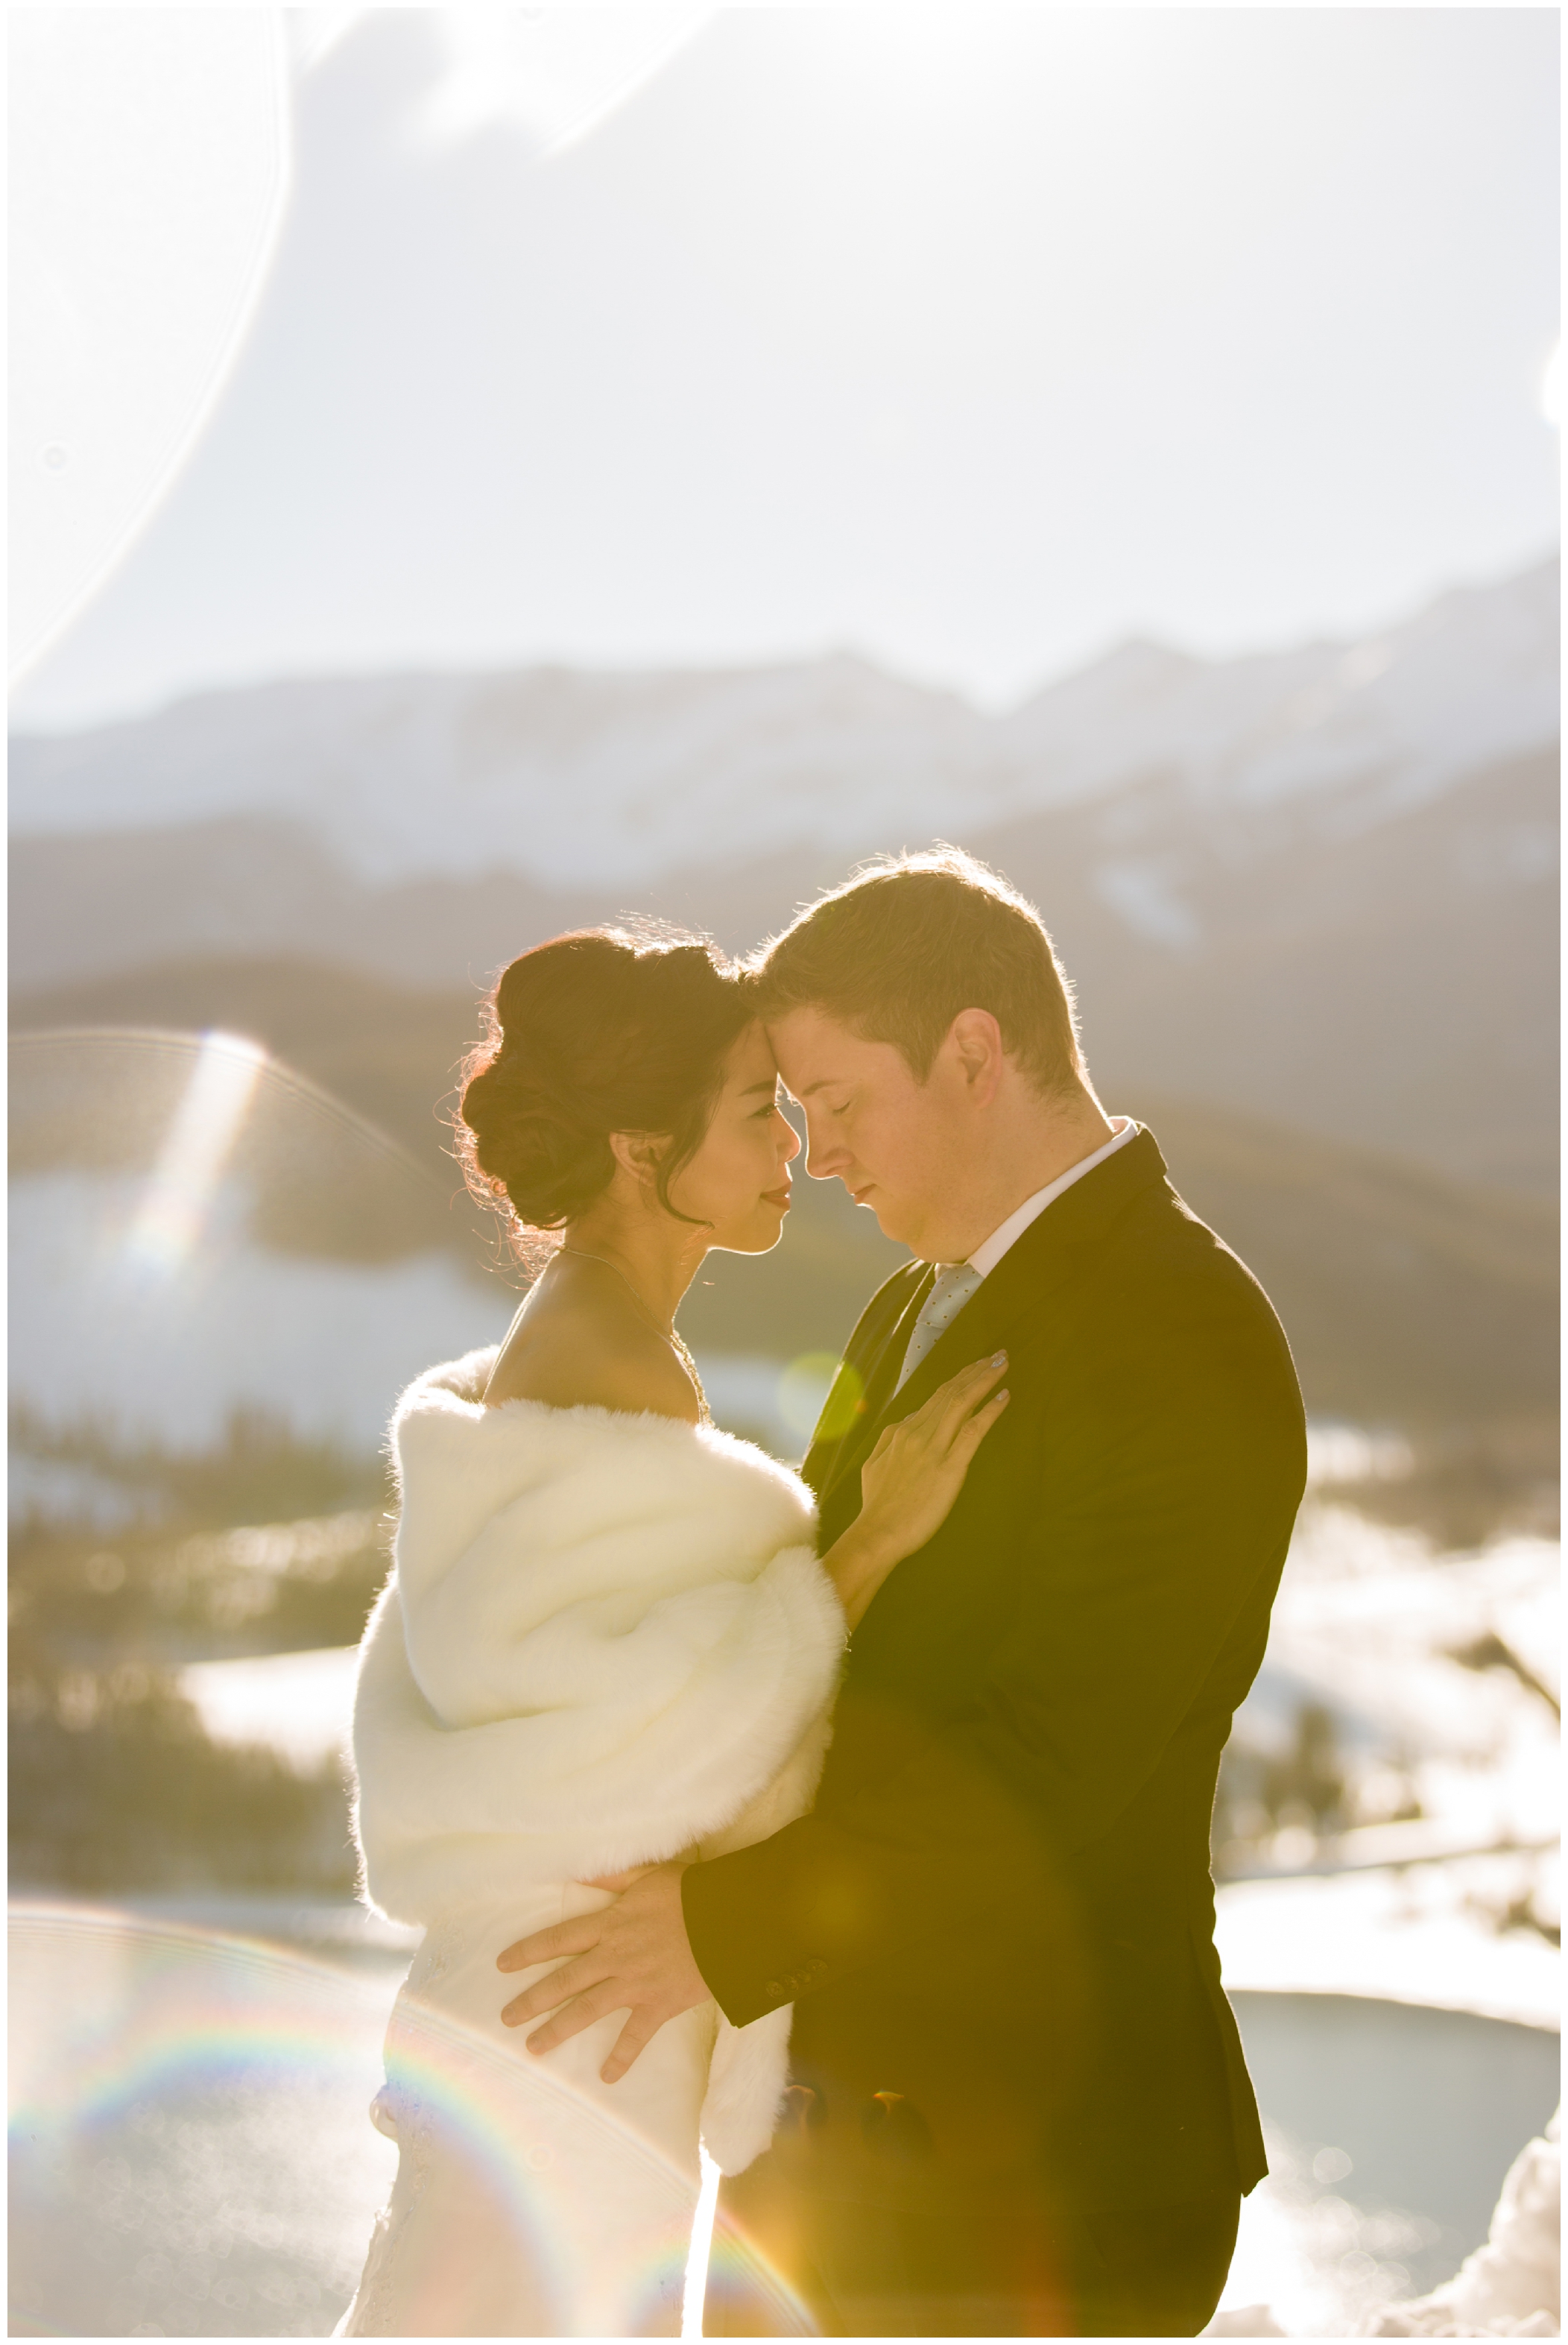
(739,1179)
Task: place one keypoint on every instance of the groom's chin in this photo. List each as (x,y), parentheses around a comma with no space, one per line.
(884,1216)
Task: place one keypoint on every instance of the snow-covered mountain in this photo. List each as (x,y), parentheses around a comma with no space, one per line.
(572,779)
(1316,885)
(1468,682)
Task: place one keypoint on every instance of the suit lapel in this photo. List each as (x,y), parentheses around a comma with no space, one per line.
(861,1389)
(1050,1252)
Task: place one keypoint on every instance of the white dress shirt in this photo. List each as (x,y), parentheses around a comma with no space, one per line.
(986,1257)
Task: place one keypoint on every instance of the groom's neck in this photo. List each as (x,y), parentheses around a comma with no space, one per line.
(1031,1143)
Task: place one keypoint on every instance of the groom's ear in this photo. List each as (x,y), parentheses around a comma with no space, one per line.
(974,1044)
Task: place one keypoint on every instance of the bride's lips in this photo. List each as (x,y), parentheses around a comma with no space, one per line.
(777,1197)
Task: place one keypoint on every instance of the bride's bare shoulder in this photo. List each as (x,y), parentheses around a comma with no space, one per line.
(567,1355)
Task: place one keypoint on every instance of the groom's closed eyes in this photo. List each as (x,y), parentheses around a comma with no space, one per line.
(840,1106)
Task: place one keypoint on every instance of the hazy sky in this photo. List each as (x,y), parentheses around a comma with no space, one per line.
(971,339)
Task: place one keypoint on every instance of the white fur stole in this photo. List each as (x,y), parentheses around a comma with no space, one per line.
(607,1638)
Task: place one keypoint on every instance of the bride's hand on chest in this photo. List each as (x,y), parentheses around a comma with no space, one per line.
(911,1479)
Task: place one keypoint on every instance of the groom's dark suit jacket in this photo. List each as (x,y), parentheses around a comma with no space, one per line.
(1000,1908)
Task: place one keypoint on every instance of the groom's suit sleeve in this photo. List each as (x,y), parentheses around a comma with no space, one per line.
(1135,1554)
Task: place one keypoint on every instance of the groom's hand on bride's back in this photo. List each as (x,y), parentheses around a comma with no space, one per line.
(633,1957)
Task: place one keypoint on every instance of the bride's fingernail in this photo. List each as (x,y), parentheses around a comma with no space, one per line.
(998,1359)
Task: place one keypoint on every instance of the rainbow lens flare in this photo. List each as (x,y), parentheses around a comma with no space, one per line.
(191,2152)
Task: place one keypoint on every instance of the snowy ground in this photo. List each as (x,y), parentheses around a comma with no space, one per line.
(1390,2127)
(191,2154)
(1373,1624)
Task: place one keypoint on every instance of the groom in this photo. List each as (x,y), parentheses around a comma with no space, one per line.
(1019,2102)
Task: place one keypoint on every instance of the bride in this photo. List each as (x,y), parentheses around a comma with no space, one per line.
(608,1642)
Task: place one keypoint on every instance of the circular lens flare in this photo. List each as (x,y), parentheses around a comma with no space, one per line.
(819,1394)
(195,2104)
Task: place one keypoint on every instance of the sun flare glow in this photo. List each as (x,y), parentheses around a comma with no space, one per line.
(184,1181)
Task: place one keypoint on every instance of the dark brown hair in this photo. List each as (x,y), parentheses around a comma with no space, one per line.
(909,941)
(595,1032)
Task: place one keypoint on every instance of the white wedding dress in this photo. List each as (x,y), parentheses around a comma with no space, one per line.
(607,1640)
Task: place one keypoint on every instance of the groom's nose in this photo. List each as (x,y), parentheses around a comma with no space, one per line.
(825,1158)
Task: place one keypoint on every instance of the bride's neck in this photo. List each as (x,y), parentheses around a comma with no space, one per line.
(657,1255)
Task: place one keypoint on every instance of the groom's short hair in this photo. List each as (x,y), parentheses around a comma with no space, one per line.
(909,941)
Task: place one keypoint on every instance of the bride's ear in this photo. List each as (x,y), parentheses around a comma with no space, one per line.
(639,1155)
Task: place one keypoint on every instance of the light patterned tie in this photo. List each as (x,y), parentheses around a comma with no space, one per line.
(954,1286)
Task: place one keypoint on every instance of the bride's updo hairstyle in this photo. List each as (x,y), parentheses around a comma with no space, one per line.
(592,1033)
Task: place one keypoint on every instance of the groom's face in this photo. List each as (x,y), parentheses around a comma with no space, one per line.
(898,1145)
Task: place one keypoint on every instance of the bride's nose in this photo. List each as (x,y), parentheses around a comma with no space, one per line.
(789,1146)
